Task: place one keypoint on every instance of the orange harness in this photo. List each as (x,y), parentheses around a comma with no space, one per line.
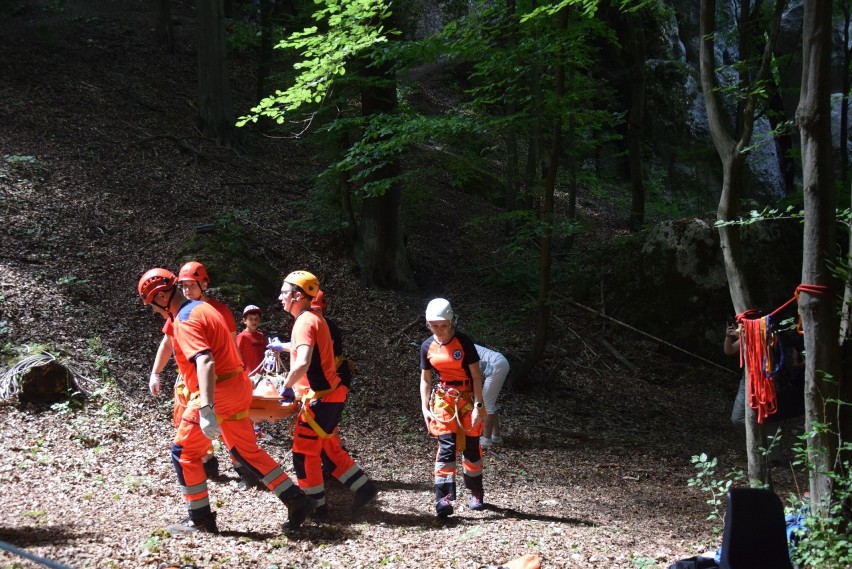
(450,400)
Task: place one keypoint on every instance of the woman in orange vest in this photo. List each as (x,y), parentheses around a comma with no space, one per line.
(453,409)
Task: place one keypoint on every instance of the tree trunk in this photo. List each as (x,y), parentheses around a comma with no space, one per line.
(783,141)
(635,51)
(844,95)
(163,28)
(532,178)
(350,224)
(818,311)
(215,109)
(846,311)
(264,54)
(545,259)
(380,249)
(731,142)
(512,185)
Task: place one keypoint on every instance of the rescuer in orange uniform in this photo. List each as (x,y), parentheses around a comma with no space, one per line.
(453,409)
(195,281)
(220,394)
(314,377)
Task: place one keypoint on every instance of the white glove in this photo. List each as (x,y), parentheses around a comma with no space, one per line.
(275,345)
(154,383)
(208,422)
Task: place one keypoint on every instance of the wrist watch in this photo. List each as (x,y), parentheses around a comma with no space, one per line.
(478,405)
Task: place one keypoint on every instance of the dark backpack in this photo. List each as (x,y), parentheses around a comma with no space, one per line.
(789,380)
(697,562)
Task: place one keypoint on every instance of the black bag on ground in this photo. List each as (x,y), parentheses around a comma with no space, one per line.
(698,562)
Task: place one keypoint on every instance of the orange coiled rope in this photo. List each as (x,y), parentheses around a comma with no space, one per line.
(760,350)
(760,389)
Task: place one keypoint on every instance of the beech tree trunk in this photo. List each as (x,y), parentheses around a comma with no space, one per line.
(264,53)
(635,47)
(818,311)
(215,108)
(545,256)
(163,28)
(380,250)
(731,142)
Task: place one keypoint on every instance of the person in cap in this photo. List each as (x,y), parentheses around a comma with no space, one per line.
(220,394)
(251,341)
(453,407)
(313,375)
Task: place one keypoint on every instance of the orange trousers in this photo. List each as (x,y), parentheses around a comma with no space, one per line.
(231,401)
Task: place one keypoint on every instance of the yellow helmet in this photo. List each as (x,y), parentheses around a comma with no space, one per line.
(305,281)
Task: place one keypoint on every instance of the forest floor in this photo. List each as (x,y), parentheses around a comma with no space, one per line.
(103,175)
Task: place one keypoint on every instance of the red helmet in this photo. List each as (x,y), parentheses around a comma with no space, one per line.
(193,271)
(154,281)
(319,301)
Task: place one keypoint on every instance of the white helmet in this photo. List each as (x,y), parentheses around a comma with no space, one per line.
(439,309)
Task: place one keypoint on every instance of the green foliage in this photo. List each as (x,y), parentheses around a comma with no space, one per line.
(102,358)
(71,280)
(345,29)
(242,37)
(54,6)
(37,517)
(517,264)
(827,542)
(766,214)
(408,433)
(640,562)
(714,486)
(386,137)
(492,325)
(588,7)
(235,262)
(152,544)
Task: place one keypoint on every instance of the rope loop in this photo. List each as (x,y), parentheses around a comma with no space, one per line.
(760,350)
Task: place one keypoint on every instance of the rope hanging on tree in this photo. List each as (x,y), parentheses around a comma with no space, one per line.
(761,351)
(760,390)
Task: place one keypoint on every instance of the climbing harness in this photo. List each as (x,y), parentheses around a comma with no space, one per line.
(451,401)
(308,416)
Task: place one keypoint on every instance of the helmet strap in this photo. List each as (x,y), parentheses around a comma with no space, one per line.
(168,304)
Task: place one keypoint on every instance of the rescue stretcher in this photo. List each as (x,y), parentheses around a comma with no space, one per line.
(267,403)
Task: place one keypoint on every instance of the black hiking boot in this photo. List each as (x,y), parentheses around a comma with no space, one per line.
(298,510)
(364,495)
(444,507)
(320,514)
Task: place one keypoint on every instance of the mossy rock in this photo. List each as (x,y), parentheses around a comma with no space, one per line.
(238,273)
